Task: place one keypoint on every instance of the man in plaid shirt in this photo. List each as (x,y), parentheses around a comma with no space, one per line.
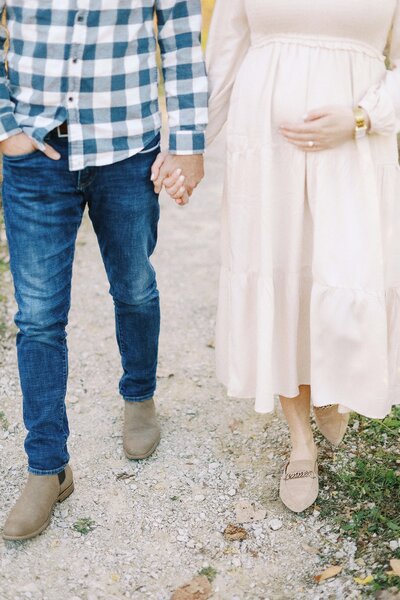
(80,125)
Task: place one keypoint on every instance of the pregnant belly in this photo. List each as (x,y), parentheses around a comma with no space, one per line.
(280,82)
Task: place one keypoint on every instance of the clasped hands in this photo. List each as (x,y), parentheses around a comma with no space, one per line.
(180,175)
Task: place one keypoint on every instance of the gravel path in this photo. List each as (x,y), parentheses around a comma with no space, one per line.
(156,524)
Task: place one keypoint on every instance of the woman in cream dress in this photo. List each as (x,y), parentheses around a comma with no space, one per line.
(309,303)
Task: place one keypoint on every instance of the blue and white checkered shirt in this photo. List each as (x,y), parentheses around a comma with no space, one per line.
(93,63)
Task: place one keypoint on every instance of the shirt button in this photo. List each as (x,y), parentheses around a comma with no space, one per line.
(70,99)
(75,60)
(80,19)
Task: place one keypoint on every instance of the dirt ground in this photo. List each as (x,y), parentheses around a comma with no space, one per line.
(140,530)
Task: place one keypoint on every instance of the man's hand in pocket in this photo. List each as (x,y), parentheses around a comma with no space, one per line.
(20,144)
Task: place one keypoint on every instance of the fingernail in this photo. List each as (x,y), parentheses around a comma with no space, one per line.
(182,178)
(179,171)
(182,190)
(152,178)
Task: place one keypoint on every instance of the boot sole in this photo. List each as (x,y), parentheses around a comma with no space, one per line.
(67,492)
(143,456)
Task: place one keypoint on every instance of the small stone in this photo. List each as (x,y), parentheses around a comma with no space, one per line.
(393,545)
(232,492)
(275,524)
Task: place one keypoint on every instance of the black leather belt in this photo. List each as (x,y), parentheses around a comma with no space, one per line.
(61,131)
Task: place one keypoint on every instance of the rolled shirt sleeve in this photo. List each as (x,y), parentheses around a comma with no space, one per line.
(8,123)
(186,90)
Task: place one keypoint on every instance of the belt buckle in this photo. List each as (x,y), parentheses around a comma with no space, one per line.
(60,134)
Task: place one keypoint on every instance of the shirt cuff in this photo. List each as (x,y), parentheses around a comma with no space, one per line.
(8,126)
(187,142)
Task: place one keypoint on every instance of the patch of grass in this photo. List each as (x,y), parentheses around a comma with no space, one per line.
(4,424)
(84,525)
(363,493)
(209,572)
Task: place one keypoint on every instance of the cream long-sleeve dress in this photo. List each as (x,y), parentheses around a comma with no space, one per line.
(310,279)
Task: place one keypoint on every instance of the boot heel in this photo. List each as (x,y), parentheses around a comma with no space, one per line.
(67,492)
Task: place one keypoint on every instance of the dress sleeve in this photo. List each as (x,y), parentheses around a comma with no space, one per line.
(228,43)
(382,101)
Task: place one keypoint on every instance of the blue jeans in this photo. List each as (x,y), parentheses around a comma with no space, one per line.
(43,207)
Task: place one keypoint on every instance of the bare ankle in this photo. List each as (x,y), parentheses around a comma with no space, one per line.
(304,450)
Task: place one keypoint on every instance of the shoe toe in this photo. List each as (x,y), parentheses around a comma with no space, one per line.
(297,496)
(141,443)
(18,528)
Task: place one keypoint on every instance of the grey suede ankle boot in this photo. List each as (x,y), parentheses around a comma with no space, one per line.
(141,429)
(33,510)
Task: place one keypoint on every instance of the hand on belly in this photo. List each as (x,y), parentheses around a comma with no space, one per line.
(322,129)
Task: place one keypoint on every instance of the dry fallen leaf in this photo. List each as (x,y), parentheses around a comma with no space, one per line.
(395,564)
(328,573)
(234,532)
(310,549)
(125,475)
(197,589)
(364,580)
(235,424)
(247,513)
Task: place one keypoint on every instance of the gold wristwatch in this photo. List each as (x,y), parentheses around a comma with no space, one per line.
(361,127)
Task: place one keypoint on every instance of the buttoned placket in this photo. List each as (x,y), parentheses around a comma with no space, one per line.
(75,71)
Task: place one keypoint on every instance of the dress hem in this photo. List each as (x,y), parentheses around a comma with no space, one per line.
(345,409)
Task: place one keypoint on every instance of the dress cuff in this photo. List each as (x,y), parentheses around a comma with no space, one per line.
(381,110)
(187,142)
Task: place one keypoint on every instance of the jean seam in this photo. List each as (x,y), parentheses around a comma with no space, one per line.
(121,339)
(119,328)
(65,376)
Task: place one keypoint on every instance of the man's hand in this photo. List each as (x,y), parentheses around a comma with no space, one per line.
(20,144)
(179,174)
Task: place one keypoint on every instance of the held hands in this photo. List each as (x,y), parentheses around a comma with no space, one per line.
(20,144)
(180,175)
(322,129)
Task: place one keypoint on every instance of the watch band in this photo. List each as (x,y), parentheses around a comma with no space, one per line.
(361,128)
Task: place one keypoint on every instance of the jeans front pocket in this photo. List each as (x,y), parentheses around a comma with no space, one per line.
(17,157)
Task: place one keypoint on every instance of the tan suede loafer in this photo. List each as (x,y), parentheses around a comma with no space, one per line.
(141,430)
(331,423)
(33,510)
(299,484)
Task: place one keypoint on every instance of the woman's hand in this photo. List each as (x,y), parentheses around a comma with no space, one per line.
(322,129)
